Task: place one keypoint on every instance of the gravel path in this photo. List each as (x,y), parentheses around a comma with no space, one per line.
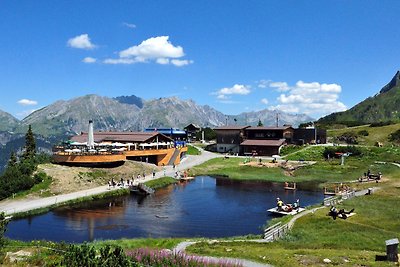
(11,206)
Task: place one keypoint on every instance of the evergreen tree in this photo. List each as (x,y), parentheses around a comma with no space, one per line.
(260,124)
(30,144)
(13,160)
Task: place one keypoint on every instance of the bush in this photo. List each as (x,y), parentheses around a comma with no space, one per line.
(86,255)
(363,132)
(395,136)
(381,123)
(330,152)
(348,137)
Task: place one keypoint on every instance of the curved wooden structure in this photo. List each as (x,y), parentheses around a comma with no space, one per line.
(89,159)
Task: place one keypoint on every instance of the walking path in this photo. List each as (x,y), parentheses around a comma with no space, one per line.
(11,206)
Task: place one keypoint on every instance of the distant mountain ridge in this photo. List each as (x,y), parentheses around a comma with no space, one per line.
(131,113)
(7,121)
(384,106)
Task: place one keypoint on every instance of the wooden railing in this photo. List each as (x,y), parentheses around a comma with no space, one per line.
(275,231)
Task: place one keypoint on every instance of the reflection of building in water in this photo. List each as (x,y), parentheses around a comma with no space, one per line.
(78,218)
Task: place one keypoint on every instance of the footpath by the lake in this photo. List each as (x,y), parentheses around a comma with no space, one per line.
(12,206)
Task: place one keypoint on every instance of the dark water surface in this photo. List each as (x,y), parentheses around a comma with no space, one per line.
(205,207)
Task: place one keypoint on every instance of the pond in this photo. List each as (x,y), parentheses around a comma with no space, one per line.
(204,207)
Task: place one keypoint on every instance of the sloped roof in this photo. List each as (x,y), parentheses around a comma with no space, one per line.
(278,142)
(231,127)
(268,128)
(118,136)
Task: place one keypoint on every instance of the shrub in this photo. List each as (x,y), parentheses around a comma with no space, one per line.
(330,152)
(381,123)
(164,258)
(348,137)
(363,132)
(86,255)
(395,136)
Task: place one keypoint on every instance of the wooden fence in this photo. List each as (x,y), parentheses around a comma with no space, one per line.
(275,231)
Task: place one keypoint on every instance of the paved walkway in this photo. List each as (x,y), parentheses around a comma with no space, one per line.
(11,206)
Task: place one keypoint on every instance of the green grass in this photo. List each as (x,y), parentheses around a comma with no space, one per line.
(161,182)
(376,134)
(192,150)
(289,149)
(231,167)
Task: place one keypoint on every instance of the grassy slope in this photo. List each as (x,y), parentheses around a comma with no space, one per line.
(376,134)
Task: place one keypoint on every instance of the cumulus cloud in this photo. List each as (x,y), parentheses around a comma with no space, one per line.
(27,102)
(158,49)
(89,60)
(311,98)
(81,42)
(264,101)
(237,89)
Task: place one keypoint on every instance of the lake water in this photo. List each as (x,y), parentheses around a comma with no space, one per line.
(204,207)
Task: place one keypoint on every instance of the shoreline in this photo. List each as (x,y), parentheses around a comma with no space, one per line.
(26,207)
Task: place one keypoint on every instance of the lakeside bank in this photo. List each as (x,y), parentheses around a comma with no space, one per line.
(26,205)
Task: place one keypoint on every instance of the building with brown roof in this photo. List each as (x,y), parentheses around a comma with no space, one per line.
(229,138)
(261,140)
(101,148)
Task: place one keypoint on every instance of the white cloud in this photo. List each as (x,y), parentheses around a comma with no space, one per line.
(162,61)
(237,89)
(157,49)
(89,60)
(81,41)
(262,83)
(119,61)
(152,48)
(181,62)
(129,25)
(312,98)
(264,101)
(27,102)
(279,86)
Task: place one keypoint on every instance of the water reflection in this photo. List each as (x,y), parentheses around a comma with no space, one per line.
(203,207)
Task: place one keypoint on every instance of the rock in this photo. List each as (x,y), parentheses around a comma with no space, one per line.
(326,260)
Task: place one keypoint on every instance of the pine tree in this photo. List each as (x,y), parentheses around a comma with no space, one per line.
(30,144)
(13,160)
(260,124)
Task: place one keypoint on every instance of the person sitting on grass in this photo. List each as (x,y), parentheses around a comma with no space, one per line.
(334,213)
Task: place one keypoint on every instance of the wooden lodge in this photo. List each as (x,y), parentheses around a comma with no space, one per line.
(263,141)
(116,147)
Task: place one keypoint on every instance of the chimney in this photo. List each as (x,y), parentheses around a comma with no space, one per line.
(90,142)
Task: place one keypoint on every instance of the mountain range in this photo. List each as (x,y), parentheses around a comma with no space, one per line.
(131,113)
(382,107)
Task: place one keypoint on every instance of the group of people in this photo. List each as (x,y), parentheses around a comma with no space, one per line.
(334,213)
(121,183)
(287,207)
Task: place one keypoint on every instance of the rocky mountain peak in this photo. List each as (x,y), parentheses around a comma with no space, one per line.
(393,83)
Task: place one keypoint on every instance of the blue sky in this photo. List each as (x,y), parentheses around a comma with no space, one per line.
(313,57)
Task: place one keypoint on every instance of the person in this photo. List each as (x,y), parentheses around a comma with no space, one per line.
(279,204)
(296,205)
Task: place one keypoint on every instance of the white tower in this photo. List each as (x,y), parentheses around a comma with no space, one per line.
(90,142)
